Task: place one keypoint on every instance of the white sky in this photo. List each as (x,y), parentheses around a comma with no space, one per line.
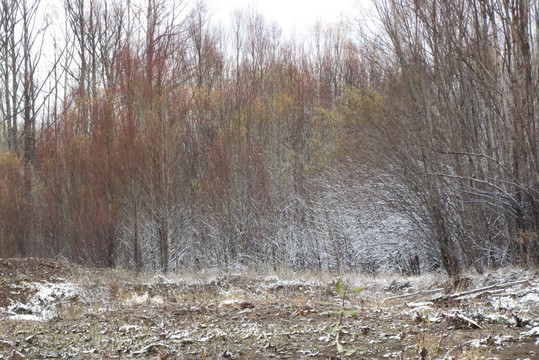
(293,16)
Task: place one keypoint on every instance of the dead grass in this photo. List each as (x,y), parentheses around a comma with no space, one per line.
(257,315)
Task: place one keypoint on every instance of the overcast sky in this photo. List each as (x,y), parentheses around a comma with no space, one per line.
(294,16)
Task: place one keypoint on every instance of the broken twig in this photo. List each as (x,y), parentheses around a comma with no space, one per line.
(419,293)
(480,290)
(459,316)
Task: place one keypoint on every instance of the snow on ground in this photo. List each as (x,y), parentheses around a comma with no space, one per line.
(265,312)
(43,304)
(144,298)
(45,296)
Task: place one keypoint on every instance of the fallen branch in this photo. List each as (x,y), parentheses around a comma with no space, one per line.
(419,293)
(459,316)
(513,295)
(496,292)
(149,349)
(468,320)
(419,304)
(480,290)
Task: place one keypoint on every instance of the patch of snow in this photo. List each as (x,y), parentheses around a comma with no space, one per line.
(245,311)
(286,284)
(504,303)
(180,335)
(271,278)
(476,343)
(230,302)
(42,306)
(137,299)
(161,279)
(494,318)
(531,297)
(325,338)
(26,317)
(392,355)
(212,334)
(128,328)
(434,318)
(231,297)
(534,332)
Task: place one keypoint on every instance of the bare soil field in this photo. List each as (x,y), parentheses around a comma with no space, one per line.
(58,310)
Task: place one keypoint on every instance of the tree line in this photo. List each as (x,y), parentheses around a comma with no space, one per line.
(139,134)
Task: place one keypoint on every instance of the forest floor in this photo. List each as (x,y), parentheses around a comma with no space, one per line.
(56,310)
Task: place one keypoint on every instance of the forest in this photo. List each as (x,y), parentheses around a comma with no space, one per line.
(142,135)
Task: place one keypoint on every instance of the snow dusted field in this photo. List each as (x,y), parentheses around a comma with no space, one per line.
(58,310)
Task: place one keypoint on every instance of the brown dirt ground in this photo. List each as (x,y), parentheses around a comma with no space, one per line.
(241,317)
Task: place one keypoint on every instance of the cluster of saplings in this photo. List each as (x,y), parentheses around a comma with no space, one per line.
(141,135)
